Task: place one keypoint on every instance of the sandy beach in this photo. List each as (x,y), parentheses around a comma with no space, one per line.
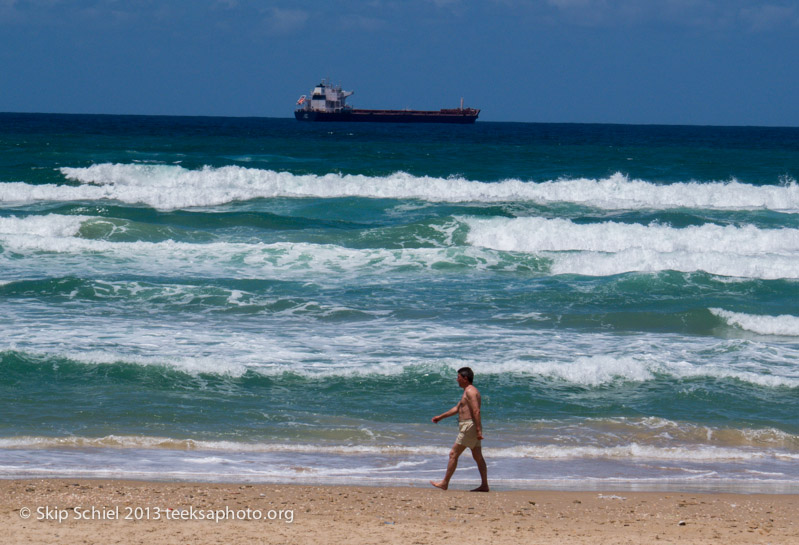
(108,511)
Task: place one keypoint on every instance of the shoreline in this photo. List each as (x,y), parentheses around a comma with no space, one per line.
(599,486)
(101,510)
(626,468)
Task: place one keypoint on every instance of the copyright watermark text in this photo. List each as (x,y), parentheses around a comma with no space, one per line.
(59,515)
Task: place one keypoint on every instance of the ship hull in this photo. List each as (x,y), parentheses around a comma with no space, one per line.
(391,116)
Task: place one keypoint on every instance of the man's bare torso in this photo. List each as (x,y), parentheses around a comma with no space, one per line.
(464,412)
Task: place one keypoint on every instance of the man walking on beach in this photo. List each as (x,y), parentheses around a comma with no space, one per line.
(470,429)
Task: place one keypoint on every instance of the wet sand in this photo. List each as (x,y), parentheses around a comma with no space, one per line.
(65,511)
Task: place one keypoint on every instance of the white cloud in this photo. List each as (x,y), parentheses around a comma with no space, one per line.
(768,17)
(571,4)
(286,21)
(362,22)
(706,14)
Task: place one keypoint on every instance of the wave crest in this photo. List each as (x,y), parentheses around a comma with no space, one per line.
(583,371)
(695,453)
(609,248)
(784,324)
(173,187)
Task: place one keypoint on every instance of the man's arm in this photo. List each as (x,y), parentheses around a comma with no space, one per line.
(442,416)
(474,408)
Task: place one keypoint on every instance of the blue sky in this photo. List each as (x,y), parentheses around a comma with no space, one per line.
(726,62)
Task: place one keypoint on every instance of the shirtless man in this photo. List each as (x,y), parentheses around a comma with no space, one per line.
(470,429)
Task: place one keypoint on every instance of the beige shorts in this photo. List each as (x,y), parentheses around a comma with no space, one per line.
(467,434)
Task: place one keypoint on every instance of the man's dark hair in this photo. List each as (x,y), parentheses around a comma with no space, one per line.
(467,373)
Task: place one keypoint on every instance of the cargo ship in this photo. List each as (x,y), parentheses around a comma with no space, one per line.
(328,103)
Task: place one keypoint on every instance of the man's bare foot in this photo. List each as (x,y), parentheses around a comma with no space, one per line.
(480,488)
(440,485)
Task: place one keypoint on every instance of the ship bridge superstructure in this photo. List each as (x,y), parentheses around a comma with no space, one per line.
(325,98)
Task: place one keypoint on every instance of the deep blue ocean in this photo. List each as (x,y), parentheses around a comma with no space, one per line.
(267,300)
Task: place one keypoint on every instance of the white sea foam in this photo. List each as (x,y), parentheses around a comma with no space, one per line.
(600,264)
(534,234)
(595,371)
(696,453)
(764,325)
(48,226)
(59,235)
(256,260)
(171,187)
(609,248)
(585,371)
(662,431)
(596,250)
(288,355)
(686,370)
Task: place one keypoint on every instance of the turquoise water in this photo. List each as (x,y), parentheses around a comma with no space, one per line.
(267,300)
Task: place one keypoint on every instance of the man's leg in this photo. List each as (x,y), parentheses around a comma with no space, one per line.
(477,454)
(451,465)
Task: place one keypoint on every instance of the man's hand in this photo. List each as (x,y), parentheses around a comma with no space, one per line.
(436,419)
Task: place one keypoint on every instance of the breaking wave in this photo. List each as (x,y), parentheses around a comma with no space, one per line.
(584,371)
(603,249)
(60,236)
(551,451)
(554,246)
(172,187)
(784,324)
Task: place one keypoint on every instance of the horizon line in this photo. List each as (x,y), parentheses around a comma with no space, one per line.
(479,121)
